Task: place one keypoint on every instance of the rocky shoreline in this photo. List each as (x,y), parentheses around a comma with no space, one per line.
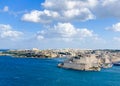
(86,63)
(87,60)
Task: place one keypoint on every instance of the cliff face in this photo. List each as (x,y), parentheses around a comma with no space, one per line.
(87,63)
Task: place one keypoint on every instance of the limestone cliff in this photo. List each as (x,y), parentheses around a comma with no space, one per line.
(87,63)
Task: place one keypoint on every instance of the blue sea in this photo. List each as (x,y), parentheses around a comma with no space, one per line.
(44,72)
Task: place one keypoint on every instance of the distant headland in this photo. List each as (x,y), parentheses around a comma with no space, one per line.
(78,59)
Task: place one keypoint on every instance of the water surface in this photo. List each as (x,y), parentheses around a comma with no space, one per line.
(44,72)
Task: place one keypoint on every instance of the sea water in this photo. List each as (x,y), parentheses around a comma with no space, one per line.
(44,72)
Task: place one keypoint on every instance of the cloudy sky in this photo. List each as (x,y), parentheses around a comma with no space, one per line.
(85,24)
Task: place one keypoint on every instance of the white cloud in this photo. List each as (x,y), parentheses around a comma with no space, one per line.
(33,16)
(68,4)
(107,9)
(74,10)
(5,9)
(83,14)
(65,31)
(6,31)
(114,27)
(100,8)
(68,10)
(40,16)
(47,16)
(4,27)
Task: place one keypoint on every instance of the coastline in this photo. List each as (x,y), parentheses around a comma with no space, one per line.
(85,60)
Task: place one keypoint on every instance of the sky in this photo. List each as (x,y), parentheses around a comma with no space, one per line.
(43,24)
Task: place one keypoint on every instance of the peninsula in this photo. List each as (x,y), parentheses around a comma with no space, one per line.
(87,60)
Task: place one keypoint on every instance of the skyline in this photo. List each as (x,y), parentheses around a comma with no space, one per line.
(85,24)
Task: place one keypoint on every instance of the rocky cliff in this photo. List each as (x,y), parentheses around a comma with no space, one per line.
(87,63)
